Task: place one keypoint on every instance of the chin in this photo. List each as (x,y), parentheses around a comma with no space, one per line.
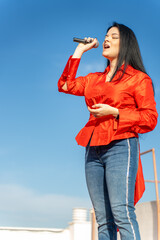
(105,55)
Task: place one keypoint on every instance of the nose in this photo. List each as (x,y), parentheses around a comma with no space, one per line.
(106,40)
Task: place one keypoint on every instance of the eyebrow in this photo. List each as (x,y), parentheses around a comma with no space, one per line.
(112,34)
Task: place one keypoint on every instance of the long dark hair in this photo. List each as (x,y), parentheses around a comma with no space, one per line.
(129,50)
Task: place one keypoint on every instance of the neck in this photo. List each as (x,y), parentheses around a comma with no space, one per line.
(113,65)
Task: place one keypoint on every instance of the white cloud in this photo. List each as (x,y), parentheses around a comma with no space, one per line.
(23,207)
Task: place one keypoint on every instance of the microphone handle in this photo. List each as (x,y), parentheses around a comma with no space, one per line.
(80,40)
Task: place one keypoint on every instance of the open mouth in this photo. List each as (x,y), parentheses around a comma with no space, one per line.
(106,46)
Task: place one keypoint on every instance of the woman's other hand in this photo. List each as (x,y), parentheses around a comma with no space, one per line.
(100,110)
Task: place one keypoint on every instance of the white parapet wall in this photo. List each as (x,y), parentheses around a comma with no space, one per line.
(78,229)
(147,219)
(34,234)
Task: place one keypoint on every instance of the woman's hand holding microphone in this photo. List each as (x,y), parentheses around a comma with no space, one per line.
(84,47)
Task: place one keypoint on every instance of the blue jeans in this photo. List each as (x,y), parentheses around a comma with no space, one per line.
(110,174)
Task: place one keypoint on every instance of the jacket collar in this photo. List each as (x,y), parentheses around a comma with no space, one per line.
(129,71)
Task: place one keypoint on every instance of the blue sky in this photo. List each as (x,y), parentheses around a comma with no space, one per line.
(41,166)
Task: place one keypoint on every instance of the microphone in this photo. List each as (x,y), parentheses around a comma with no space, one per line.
(84,41)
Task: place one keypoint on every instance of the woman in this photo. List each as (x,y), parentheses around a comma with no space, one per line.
(121,105)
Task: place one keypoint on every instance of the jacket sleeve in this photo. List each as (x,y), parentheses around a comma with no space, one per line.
(143,118)
(75,85)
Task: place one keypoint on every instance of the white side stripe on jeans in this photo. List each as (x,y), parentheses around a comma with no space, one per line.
(129,156)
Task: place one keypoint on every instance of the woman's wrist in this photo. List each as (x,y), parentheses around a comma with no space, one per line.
(116,113)
(77,53)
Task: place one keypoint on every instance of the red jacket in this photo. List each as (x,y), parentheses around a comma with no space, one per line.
(132,95)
